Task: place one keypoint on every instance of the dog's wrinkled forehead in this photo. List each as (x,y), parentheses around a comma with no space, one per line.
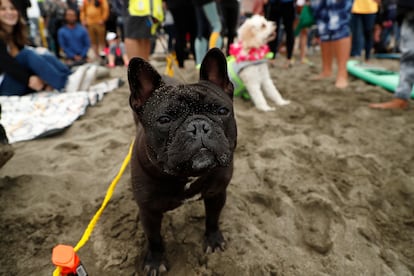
(191,98)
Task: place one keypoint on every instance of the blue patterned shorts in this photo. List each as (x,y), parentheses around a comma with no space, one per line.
(332,18)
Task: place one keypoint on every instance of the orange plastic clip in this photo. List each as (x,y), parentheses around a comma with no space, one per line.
(64,256)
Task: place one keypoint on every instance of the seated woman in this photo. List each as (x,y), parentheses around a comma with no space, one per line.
(24,69)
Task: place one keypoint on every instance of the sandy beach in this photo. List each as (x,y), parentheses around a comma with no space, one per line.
(323,186)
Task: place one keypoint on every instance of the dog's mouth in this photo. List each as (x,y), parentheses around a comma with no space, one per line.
(203,160)
(271,37)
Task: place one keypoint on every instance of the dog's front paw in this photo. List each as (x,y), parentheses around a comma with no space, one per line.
(267,108)
(214,241)
(283,102)
(154,263)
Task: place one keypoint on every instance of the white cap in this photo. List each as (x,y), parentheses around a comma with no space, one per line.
(110,36)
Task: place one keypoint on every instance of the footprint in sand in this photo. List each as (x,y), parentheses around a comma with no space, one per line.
(316,222)
(67,146)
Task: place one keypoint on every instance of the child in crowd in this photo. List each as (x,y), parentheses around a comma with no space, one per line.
(115,51)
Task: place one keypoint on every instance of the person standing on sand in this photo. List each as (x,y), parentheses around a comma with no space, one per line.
(282,12)
(141,22)
(208,28)
(406,82)
(332,19)
(364,13)
(93,16)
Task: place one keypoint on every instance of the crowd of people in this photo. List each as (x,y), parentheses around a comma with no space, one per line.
(77,32)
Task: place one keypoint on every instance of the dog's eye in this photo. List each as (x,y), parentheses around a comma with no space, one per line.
(223,111)
(263,26)
(164,120)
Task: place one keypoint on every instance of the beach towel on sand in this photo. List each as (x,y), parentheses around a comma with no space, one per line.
(45,113)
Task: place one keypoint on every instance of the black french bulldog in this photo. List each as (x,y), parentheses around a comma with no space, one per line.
(183,131)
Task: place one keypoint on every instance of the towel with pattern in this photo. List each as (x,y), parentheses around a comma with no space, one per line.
(46,113)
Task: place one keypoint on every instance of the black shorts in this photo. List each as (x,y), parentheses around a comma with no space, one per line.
(137,27)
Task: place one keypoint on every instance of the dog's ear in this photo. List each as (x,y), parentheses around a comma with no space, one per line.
(143,79)
(214,69)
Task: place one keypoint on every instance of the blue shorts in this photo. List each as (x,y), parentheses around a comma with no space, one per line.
(332,18)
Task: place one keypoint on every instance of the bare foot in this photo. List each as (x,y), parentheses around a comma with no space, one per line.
(321,76)
(341,83)
(289,63)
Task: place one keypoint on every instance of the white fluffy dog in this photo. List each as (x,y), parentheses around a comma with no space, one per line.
(250,50)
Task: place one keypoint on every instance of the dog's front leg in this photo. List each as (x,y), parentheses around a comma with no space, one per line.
(213,237)
(272,92)
(252,84)
(155,261)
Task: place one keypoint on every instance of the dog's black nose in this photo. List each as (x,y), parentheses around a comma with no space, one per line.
(199,128)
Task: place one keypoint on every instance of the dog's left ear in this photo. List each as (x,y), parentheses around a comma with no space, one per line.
(214,69)
(143,80)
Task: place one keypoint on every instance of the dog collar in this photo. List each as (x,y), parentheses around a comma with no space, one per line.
(254,54)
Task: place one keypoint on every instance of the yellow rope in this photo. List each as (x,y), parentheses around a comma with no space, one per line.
(97,215)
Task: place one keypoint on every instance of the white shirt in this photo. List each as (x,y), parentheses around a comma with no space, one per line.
(300,2)
(33,11)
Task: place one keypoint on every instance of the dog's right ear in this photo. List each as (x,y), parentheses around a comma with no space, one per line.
(143,79)
(214,68)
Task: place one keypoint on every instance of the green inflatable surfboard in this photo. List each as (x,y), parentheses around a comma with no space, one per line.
(387,55)
(379,76)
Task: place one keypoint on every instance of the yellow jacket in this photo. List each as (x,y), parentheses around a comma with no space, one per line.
(364,7)
(90,14)
(145,8)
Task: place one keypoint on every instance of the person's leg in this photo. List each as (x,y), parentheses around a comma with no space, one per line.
(120,27)
(111,55)
(230,14)
(211,13)
(12,87)
(180,40)
(232,21)
(201,42)
(124,55)
(357,35)
(288,20)
(303,45)
(137,37)
(274,14)
(94,40)
(138,47)
(100,33)
(406,81)
(327,59)
(55,62)
(368,22)
(172,34)
(397,36)
(42,66)
(341,48)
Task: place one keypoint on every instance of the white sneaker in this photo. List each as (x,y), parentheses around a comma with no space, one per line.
(75,79)
(89,78)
